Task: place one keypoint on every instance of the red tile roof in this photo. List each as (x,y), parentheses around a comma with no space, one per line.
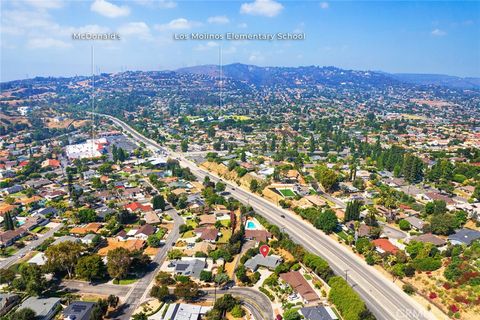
(385,245)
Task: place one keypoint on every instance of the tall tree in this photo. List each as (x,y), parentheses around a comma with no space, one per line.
(118,263)
(352,212)
(63,256)
(90,267)
(158,202)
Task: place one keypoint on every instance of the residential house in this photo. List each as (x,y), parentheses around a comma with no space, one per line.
(269,262)
(298,283)
(7,302)
(318,313)
(464,236)
(416,223)
(79,310)
(144,231)
(385,246)
(428,238)
(183,311)
(44,308)
(189,266)
(207,234)
(257,235)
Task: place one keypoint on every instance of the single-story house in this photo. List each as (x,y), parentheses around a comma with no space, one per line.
(189,267)
(464,236)
(318,313)
(79,310)
(183,311)
(269,262)
(415,222)
(298,283)
(44,308)
(257,235)
(429,238)
(384,245)
(7,302)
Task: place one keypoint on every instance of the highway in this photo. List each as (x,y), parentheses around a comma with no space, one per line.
(384,299)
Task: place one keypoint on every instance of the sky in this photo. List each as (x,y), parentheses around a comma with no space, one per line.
(437,37)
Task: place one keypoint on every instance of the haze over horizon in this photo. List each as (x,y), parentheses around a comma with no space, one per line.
(394,37)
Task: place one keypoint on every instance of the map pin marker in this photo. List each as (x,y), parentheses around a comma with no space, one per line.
(264,250)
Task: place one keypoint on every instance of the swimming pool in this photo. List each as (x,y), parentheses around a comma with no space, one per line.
(251,225)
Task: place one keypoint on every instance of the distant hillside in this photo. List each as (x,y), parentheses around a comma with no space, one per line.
(292,76)
(295,76)
(439,80)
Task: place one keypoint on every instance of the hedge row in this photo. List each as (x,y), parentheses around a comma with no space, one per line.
(347,301)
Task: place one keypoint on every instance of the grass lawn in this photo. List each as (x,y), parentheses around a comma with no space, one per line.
(342,235)
(225,223)
(226,234)
(38,229)
(191,222)
(189,234)
(127,281)
(287,192)
(8,252)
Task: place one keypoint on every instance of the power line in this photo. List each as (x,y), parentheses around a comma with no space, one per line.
(93,97)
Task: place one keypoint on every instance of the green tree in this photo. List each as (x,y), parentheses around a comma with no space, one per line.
(63,257)
(164,278)
(188,290)
(160,292)
(253,185)
(8,221)
(158,202)
(6,276)
(443,224)
(206,276)
(291,314)
(184,146)
(327,177)
(86,215)
(118,263)
(90,267)
(31,280)
(237,311)
(404,225)
(327,221)
(23,314)
(352,212)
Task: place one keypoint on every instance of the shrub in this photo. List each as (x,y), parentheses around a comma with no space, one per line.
(346,300)
(408,289)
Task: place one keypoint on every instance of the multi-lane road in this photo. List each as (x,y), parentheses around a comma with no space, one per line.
(382,296)
(7,262)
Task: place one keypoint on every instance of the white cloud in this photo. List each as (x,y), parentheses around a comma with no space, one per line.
(177,24)
(324,5)
(108,9)
(45,43)
(218,20)
(204,47)
(45,4)
(242,25)
(164,4)
(267,8)
(438,33)
(139,29)
(256,57)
